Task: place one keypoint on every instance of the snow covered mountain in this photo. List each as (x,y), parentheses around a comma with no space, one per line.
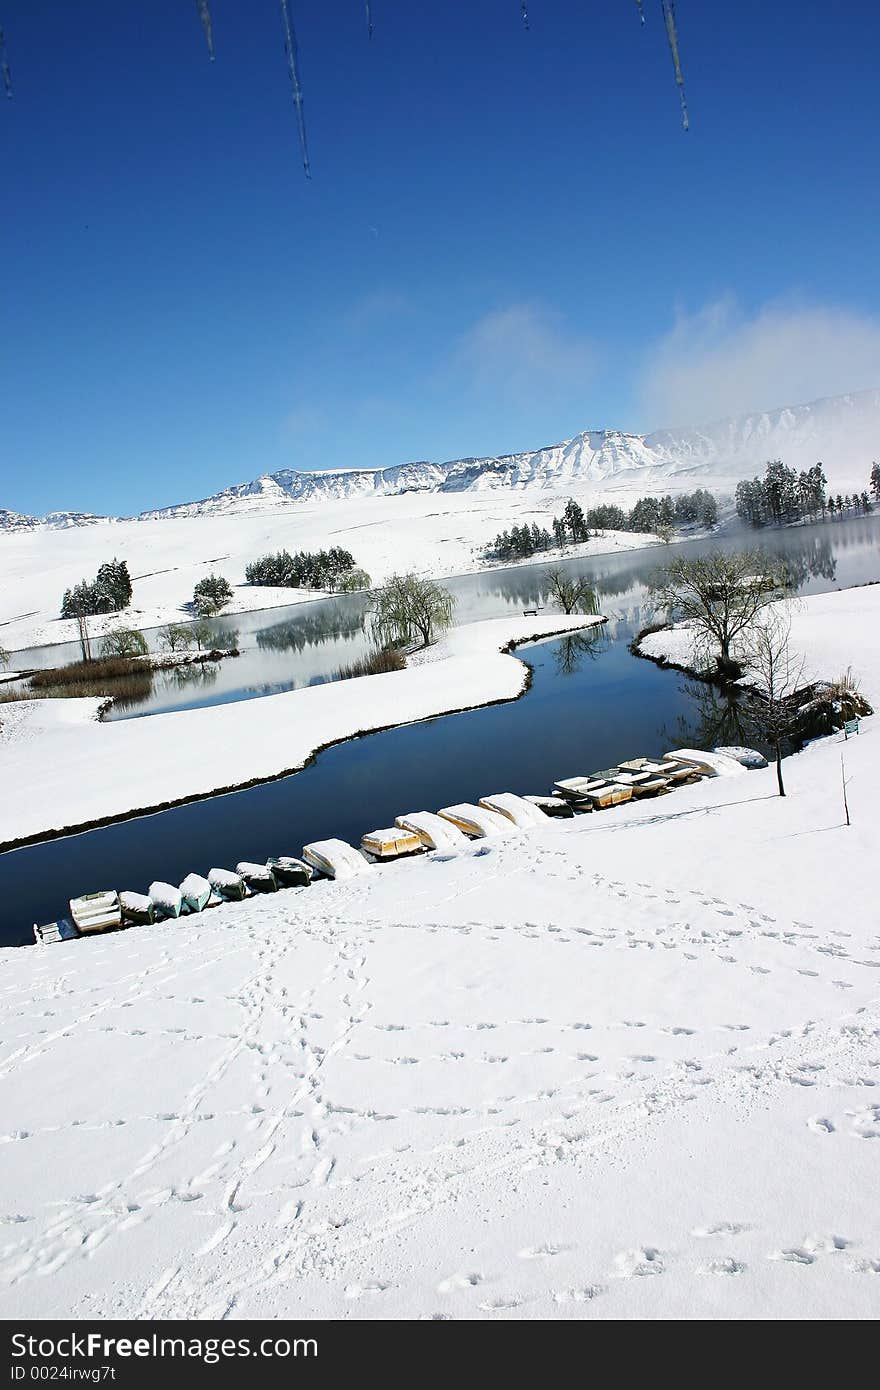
(842,431)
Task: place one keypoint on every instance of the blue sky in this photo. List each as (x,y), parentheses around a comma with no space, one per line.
(507,237)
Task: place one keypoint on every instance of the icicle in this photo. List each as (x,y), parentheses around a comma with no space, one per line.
(640,10)
(524,11)
(4,68)
(668,7)
(293,69)
(369,20)
(204,10)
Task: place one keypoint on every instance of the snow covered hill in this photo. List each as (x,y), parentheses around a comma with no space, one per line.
(843,432)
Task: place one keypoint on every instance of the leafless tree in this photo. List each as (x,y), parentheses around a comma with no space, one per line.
(721,596)
(777,674)
(573,594)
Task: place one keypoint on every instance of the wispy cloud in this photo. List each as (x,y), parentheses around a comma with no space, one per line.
(373,309)
(522,352)
(720,361)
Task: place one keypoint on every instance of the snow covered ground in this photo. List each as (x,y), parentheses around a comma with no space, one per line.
(436,535)
(67,769)
(626,1066)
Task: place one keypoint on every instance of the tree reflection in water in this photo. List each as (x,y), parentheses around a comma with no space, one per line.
(570,652)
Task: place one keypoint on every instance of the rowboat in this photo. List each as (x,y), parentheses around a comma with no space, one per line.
(476,821)
(227,885)
(551,805)
(391,843)
(258,877)
(93,912)
(49,933)
(137,908)
(521,812)
(335,859)
(710,764)
(433,831)
(749,757)
(196,892)
(290,872)
(609,795)
(166,899)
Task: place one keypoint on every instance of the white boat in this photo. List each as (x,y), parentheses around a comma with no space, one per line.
(576,788)
(166,899)
(391,843)
(648,785)
(196,892)
(657,768)
(335,859)
(608,795)
(290,872)
(137,908)
(631,779)
(227,885)
(552,805)
(258,877)
(713,764)
(476,821)
(515,808)
(96,911)
(433,831)
(749,757)
(50,933)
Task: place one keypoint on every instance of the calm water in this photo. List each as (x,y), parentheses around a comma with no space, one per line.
(285,648)
(591,704)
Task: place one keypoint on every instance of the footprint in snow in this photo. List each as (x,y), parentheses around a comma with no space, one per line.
(637,1263)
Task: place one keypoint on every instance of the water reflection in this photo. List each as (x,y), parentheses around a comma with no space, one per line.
(570,652)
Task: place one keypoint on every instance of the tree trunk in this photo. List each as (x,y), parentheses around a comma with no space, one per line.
(779,768)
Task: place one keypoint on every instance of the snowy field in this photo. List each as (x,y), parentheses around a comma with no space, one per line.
(69,770)
(435,535)
(626,1066)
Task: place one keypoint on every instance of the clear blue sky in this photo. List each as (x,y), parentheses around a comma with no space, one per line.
(502,231)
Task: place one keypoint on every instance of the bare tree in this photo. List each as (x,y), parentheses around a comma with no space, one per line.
(720,595)
(82,628)
(175,637)
(4,656)
(778,674)
(407,606)
(572,593)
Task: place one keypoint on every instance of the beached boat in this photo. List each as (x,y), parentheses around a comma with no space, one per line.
(608,795)
(391,843)
(648,786)
(552,805)
(576,788)
(630,779)
(50,933)
(749,757)
(335,859)
(166,899)
(433,831)
(476,821)
(515,808)
(227,885)
(196,892)
(290,872)
(711,764)
(258,877)
(96,911)
(137,908)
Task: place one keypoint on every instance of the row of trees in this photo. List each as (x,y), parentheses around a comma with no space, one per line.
(657,515)
(109,592)
(333,569)
(783,496)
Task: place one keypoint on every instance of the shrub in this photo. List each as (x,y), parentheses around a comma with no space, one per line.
(373,664)
(211,594)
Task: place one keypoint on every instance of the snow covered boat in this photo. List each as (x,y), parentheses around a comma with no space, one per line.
(96,911)
(166,899)
(630,779)
(515,808)
(335,859)
(551,805)
(290,872)
(749,757)
(648,785)
(391,843)
(258,877)
(196,892)
(227,885)
(575,788)
(433,831)
(137,908)
(608,795)
(711,764)
(52,932)
(476,821)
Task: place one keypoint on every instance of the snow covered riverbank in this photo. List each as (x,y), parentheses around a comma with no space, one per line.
(620,1067)
(68,770)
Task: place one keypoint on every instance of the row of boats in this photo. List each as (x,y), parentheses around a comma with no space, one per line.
(450,829)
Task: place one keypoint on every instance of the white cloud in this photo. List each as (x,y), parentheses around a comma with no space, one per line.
(524,351)
(720,362)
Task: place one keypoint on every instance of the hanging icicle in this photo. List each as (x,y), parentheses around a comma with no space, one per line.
(641,11)
(296,87)
(668,7)
(524,11)
(204,10)
(4,68)
(369,20)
